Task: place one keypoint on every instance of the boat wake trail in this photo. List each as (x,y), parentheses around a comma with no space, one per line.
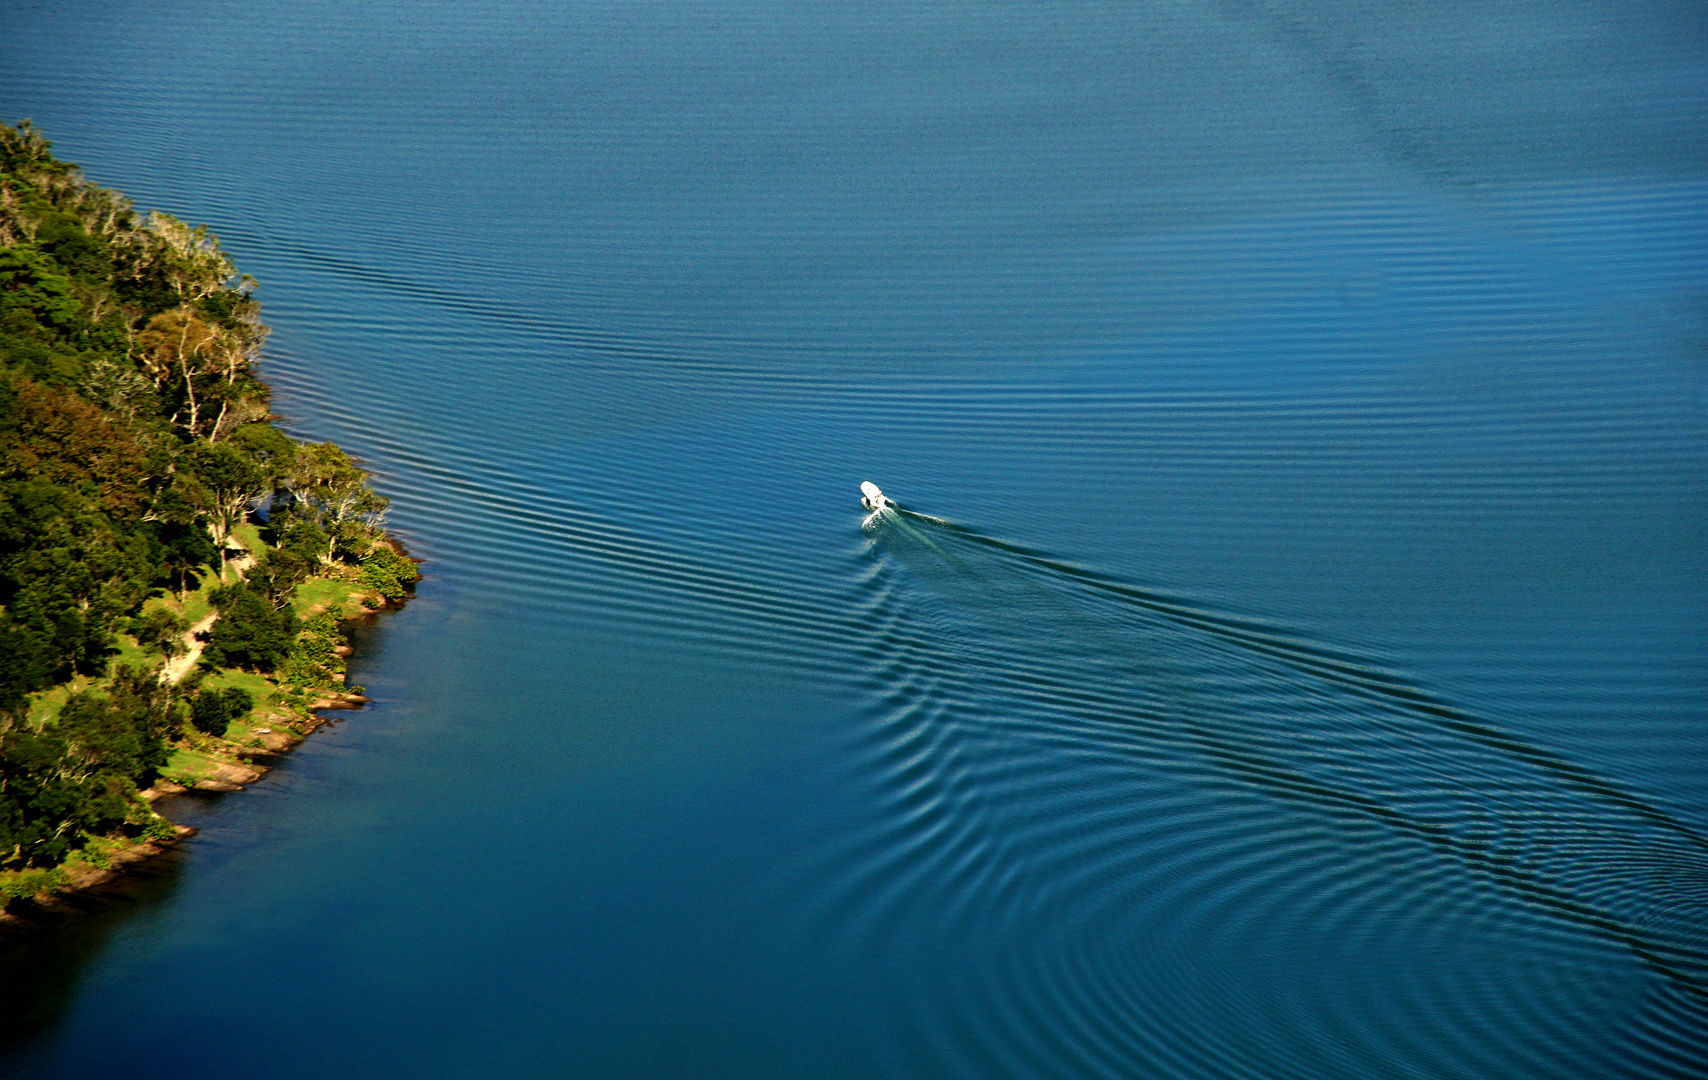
(1224,827)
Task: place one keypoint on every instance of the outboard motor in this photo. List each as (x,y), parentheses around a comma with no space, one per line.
(871,498)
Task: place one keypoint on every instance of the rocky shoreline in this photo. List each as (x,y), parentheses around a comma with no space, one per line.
(86,887)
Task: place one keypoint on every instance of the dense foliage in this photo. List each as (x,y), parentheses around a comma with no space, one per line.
(251,633)
(212,711)
(134,438)
(77,777)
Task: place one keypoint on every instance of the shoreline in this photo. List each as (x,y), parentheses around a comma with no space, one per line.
(161,634)
(86,887)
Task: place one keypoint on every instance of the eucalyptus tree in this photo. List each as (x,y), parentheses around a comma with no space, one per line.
(331,488)
(190,257)
(231,484)
(203,364)
(176,349)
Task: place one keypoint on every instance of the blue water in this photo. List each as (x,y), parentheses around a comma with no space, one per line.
(1288,662)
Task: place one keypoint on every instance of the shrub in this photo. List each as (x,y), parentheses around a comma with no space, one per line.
(314,658)
(386,572)
(158,828)
(26,883)
(214,710)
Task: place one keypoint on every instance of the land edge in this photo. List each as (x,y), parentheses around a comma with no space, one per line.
(87,888)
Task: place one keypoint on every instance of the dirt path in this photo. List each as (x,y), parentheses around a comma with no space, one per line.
(176,669)
(180,666)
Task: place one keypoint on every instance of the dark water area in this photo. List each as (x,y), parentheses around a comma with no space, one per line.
(1289,660)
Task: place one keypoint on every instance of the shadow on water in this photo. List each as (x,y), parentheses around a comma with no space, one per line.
(998,663)
(41,969)
(43,965)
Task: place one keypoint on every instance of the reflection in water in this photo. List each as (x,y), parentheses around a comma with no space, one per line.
(40,970)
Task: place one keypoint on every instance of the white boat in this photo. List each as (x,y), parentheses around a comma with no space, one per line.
(871,498)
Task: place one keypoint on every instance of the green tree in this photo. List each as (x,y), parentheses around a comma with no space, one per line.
(161,630)
(233,483)
(271,449)
(277,574)
(213,711)
(67,573)
(79,775)
(35,297)
(181,547)
(331,489)
(250,631)
(112,734)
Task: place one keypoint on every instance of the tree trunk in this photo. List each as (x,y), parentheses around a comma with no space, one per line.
(189,384)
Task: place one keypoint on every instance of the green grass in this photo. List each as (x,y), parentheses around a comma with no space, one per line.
(266,696)
(249,535)
(336,595)
(260,688)
(131,654)
(45,705)
(187,766)
(192,607)
(196,606)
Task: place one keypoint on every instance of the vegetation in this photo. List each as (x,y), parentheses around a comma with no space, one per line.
(251,632)
(214,710)
(135,446)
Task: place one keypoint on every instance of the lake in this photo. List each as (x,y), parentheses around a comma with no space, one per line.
(1289,655)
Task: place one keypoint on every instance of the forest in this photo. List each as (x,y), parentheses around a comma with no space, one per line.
(137,450)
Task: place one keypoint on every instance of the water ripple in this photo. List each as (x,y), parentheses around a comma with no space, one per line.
(1056,747)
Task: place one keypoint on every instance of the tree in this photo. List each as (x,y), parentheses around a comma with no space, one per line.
(155,706)
(332,489)
(177,349)
(161,630)
(204,359)
(67,572)
(250,632)
(51,434)
(190,258)
(268,447)
(79,775)
(35,298)
(182,544)
(25,664)
(213,711)
(232,481)
(24,148)
(278,573)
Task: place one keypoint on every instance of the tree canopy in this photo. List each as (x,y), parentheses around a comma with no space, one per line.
(134,439)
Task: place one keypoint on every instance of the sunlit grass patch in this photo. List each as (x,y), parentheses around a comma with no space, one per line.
(188,767)
(341,598)
(264,691)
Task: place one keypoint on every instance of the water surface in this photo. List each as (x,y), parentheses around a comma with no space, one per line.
(1289,661)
